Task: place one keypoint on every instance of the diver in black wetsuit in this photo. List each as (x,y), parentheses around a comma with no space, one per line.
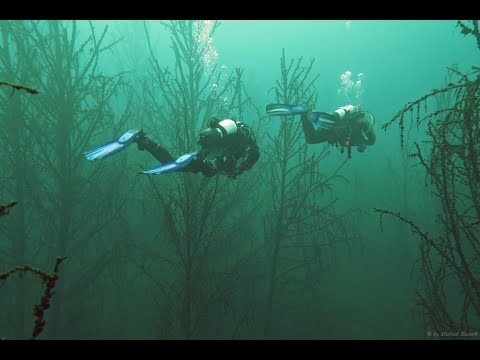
(346,127)
(228,147)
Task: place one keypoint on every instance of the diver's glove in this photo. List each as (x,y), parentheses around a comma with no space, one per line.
(143,142)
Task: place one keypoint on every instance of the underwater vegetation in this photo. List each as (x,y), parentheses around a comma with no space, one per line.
(4,209)
(196,257)
(450,259)
(42,141)
(301,231)
(19,87)
(48,280)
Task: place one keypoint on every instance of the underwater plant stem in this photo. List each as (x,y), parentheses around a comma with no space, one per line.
(49,280)
(19,87)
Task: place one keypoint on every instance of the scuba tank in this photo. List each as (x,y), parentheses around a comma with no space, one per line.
(217,131)
(343,111)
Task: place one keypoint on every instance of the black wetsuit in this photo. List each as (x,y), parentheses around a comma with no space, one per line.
(355,130)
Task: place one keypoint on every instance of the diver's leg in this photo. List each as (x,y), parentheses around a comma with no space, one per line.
(312,135)
(316,134)
(208,169)
(157,151)
(308,129)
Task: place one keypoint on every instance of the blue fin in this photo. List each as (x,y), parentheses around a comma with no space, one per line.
(173,166)
(322,119)
(285,109)
(113,147)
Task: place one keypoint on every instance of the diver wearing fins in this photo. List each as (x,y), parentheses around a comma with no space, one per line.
(228,147)
(346,127)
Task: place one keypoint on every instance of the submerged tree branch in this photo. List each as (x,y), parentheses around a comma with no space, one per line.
(5,209)
(20,87)
(49,281)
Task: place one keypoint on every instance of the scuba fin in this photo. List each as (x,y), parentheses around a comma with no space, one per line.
(285,110)
(113,147)
(173,166)
(322,119)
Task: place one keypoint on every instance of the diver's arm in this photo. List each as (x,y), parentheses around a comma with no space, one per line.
(253,152)
(367,128)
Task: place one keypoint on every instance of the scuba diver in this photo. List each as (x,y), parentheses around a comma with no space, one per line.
(346,127)
(228,147)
